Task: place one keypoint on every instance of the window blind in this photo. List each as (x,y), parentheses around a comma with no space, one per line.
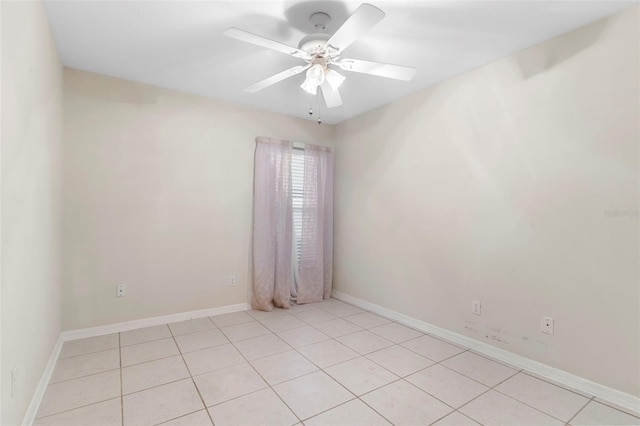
(297,186)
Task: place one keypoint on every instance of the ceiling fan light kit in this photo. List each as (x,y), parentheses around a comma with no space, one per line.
(315,77)
(322,53)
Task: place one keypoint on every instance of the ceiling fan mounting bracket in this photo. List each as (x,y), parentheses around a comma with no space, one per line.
(320,20)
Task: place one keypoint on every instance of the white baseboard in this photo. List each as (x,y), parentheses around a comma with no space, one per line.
(148,322)
(65,336)
(617,397)
(32,410)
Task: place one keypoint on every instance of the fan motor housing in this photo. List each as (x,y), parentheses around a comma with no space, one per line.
(313,43)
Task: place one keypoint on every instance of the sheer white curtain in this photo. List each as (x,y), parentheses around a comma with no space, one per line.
(316,254)
(272,225)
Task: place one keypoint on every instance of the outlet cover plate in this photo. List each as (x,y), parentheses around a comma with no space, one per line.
(546,325)
(121,290)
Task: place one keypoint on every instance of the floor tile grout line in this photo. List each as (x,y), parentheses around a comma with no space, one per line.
(184,361)
(294,378)
(246,338)
(90,353)
(368,359)
(531,406)
(456,409)
(79,407)
(627,411)
(204,348)
(367,404)
(330,365)
(173,380)
(490,388)
(449,413)
(399,379)
(467,416)
(351,359)
(375,411)
(205,330)
(179,417)
(513,367)
(267,383)
(82,377)
(510,397)
(418,388)
(146,341)
(152,360)
(250,362)
(431,395)
(422,390)
(306,344)
(329,409)
(471,378)
(470,401)
(157,386)
(336,337)
(580,410)
(303,375)
(250,319)
(220,327)
(486,357)
(255,391)
(451,356)
(214,326)
(339,384)
(362,356)
(406,375)
(531,374)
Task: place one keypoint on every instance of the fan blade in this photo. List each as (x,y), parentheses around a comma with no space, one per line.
(397,72)
(248,37)
(276,78)
(363,19)
(331,97)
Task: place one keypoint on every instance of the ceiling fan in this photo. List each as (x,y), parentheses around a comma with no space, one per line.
(322,54)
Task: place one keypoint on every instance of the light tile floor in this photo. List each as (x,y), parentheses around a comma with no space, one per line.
(328,363)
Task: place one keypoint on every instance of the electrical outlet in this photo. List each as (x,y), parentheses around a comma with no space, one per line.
(232,280)
(476,307)
(121,290)
(546,325)
(14,381)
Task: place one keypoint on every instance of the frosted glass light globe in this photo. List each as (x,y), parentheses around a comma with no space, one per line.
(315,74)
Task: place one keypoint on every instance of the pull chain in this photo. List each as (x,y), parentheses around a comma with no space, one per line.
(311,98)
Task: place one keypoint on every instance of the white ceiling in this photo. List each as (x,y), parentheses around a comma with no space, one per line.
(179,44)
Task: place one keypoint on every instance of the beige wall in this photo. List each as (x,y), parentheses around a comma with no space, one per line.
(31,160)
(157,196)
(493,186)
